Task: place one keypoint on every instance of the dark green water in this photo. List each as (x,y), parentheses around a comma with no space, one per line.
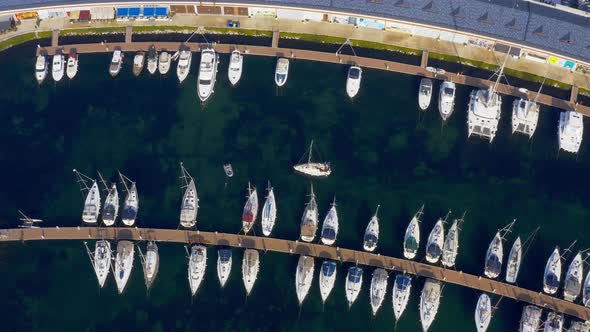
(382,151)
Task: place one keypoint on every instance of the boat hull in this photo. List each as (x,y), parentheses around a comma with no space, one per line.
(354,281)
(327,279)
(123,264)
(401,294)
(269,213)
(303,277)
(378,289)
(250,267)
(196,267)
(224,263)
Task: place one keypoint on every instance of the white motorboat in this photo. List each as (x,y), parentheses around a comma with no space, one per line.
(41,68)
(250,211)
(184,64)
(269,212)
(531,319)
(207,73)
(425,93)
(72,65)
(327,279)
(123,264)
(250,267)
(494,256)
(102,261)
(412,236)
(130,206)
(435,242)
(224,260)
(552,275)
(330,226)
(281,71)
(152,62)
(401,294)
(309,220)
(197,263)
(446,99)
(579,326)
(138,63)
(525,116)
(110,211)
(554,322)
(313,169)
(190,206)
(586,290)
(451,245)
(371,236)
(378,289)
(353,81)
(116,62)
(483,313)
(354,282)
(151,264)
(91,205)
(573,279)
(303,277)
(164,63)
(58,67)
(570,131)
(429,302)
(234,72)
(514,260)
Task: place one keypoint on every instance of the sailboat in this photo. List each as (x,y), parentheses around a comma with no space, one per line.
(531,319)
(451,245)
(435,242)
(91,205)
(207,73)
(250,267)
(327,279)
(330,226)
(401,294)
(552,275)
(197,263)
(234,72)
(570,131)
(494,255)
(313,169)
(123,264)
(131,203)
(303,277)
(514,260)
(429,302)
(353,81)
(425,93)
(554,322)
(110,210)
(184,63)
(371,236)
(586,290)
(354,282)
(224,260)
(446,99)
(151,263)
(250,210)
(190,201)
(412,236)
(309,220)
(152,63)
(101,260)
(378,289)
(483,313)
(269,212)
(573,279)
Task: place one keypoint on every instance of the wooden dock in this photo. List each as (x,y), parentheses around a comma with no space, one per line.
(300,248)
(324,57)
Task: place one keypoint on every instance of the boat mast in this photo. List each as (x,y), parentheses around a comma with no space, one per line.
(124,181)
(310,148)
(90,255)
(82,181)
(539,91)
(185,175)
(495,86)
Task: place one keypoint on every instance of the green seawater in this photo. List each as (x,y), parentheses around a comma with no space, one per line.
(383,151)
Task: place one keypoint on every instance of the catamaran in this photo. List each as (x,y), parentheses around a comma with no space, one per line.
(72,65)
(429,302)
(91,205)
(435,242)
(184,64)
(313,169)
(531,319)
(494,256)
(514,260)
(303,277)
(57,68)
(451,245)
(412,236)
(138,63)
(330,226)
(354,282)
(40,68)
(152,62)
(101,260)
(281,71)
(110,210)
(573,279)
(378,289)
(401,294)
(207,73)
(371,236)
(425,93)
(234,72)
(250,210)
(353,81)
(586,290)
(164,63)
(123,264)
(269,212)
(552,275)
(197,263)
(309,220)
(483,313)
(579,326)
(554,322)
(116,62)
(327,279)
(446,99)
(525,116)
(250,267)
(190,201)
(224,260)
(131,203)
(570,131)
(151,263)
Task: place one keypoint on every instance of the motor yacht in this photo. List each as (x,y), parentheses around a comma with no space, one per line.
(41,68)
(371,236)
(446,99)
(123,264)
(234,72)
(152,60)
(282,72)
(197,263)
(552,275)
(570,131)
(224,261)
(57,67)
(164,63)
(207,73)
(303,277)
(184,64)
(378,289)
(353,81)
(327,279)
(330,226)
(269,212)
(116,62)
(138,63)
(72,65)
(250,267)
(412,236)
(425,93)
(354,282)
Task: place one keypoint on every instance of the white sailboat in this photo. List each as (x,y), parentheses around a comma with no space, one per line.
(151,263)
(250,211)
(435,242)
(483,313)
(451,245)
(164,63)
(250,267)
(378,289)
(72,65)
(234,72)
(269,212)
(570,131)
(91,205)
(303,277)
(152,62)
(190,200)
(184,64)
(313,169)
(116,62)
(354,282)
(40,68)
(224,261)
(525,116)
(101,260)
(281,71)
(552,275)
(514,260)
(197,263)
(429,302)
(573,279)
(371,236)
(446,99)
(131,203)
(494,256)
(579,326)
(309,220)
(586,290)
(425,93)
(207,73)
(58,68)
(327,279)
(110,211)
(353,81)
(412,236)
(123,264)
(531,319)
(330,226)
(401,294)
(554,322)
